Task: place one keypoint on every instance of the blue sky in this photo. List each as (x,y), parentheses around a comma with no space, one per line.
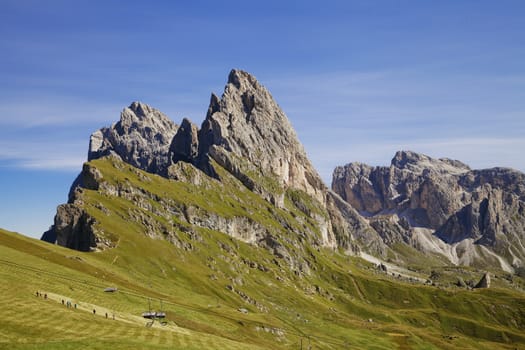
(358,79)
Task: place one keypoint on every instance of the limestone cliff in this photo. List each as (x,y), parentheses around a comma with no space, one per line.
(247,133)
(246,123)
(418,199)
(141,137)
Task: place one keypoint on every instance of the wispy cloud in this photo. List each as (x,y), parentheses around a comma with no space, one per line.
(59,156)
(60,164)
(37,111)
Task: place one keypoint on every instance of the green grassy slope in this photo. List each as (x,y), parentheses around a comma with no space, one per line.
(209,277)
(28,321)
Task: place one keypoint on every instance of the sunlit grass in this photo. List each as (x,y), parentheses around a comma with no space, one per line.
(341,303)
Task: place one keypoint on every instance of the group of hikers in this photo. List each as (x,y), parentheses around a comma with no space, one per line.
(68,303)
(95,312)
(38,294)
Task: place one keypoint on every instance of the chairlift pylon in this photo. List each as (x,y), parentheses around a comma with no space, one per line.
(154,315)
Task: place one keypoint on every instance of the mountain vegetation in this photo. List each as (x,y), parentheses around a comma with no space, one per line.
(230,231)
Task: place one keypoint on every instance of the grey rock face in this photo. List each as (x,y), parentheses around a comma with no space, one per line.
(88,178)
(441,195)
(391,230)
(247,134)
(74,228)
(185,144)
(246,123)
(141,138)
(484,282)
(350,229)
(414,184)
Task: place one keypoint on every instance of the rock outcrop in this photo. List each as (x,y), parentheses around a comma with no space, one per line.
(141,138)
(185,145)
(484,282)
(247,133)
(442,198)
(419,186)
(74,228)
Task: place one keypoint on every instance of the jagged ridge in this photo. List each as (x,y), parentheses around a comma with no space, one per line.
(244,132)
(417,199)
(434,205)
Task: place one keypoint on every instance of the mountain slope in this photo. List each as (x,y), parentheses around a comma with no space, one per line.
(207,284)
(241,241)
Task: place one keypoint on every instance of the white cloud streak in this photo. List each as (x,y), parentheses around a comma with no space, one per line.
(56,164)
(41,111)
(57,156)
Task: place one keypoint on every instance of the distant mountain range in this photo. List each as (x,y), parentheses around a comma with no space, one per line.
(441,206)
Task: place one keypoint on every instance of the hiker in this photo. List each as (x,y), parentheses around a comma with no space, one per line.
(106,315)
(75,306)
(37,293)
(62,301)
(94,311)
(45,296)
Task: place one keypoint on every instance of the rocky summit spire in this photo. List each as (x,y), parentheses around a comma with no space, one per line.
(185,145)
(417,163)
(484,282)
(141,138)
(247,133)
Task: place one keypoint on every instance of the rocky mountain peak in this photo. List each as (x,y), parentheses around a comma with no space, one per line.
(185,144)
(432,201)
(141,137)
(417,163)
(243,80)
(245,131)
(140,109)
(245,135)
(402,158)
(246,123)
